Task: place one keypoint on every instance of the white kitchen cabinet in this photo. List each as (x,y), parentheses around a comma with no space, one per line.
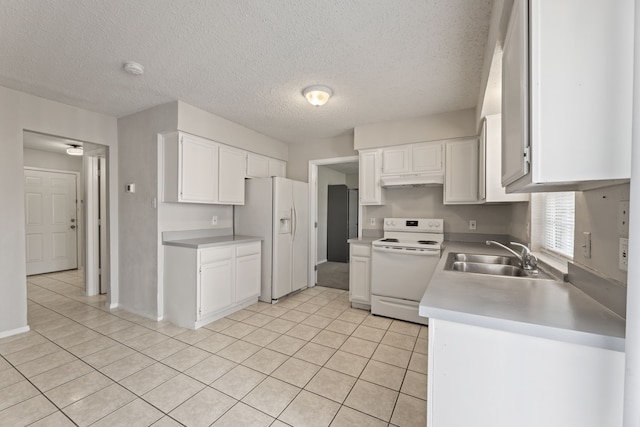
(360,275)
(566,102)
(277,168)
(197,170)
(370,191)
(216,281)
(426,157)
(490,155)
(203,285)
(257,166)
(190,169)
(461,171)
(231,171)
(396,160)
(485,377)
(248,271)
(418,158)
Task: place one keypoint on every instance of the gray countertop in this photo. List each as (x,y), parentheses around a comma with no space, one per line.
(543,308)
(362,240)
(211,241)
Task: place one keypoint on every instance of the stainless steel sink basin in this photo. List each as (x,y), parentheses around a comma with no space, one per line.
(487,259)
(495,269)
(494,265)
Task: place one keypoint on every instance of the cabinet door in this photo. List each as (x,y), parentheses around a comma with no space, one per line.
(277,168)
(198,170)
(248,271)
(461,172)
(395,160)
(426,157)
(515,96)
(360,279)
(216,286)
(369,178)
(231,171)
(490,162)
(247,277)
(257,166)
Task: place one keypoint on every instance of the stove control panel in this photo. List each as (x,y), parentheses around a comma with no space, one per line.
(414,224)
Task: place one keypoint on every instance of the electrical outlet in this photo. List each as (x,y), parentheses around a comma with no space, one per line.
(586,244)
(372,221)
(472,224)
(214,220)
(623,218)
(623,254)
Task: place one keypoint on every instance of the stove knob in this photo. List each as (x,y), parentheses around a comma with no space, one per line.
(431,225)
(393,223)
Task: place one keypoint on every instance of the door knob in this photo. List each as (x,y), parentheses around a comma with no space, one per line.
(73,227)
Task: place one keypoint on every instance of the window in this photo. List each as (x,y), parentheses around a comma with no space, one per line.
(555,222)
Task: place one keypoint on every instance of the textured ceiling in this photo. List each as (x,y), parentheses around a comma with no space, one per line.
(248,61)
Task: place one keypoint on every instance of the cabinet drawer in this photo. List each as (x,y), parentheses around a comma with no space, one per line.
(249,249)
(360,250)
(216,254)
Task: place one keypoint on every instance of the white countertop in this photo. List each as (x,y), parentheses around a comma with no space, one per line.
(211,241)
(543,308)
(362,240)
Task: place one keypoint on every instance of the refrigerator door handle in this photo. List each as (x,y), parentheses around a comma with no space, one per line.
(294,219)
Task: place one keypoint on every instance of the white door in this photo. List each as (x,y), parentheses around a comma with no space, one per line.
(50,220)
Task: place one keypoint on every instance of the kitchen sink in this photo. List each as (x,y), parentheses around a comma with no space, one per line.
(493,265)
(486,259)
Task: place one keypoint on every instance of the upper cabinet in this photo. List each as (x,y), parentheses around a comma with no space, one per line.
(259,166)
(490,155)
(197,170)
(423,157)
(566,95)
(461,172)
(370,191)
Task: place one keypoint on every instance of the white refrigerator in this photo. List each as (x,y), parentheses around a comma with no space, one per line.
(277,209)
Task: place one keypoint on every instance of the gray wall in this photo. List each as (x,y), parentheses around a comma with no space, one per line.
(18,112)
(597,212)
(49,160)
(426,202)
(316,149)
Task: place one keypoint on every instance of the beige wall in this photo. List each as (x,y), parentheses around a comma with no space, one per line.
(49,160)
(199,122)
(426,202)
(454,124)
(316,149)
(597,212)
(520,218)
(18,112)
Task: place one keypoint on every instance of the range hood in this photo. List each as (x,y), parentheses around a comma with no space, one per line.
(411,180)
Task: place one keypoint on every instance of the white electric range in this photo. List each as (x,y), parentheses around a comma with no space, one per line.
(402,263)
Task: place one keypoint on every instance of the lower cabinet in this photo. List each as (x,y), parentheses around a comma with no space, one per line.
(203,285)
(360,275)
(485,377)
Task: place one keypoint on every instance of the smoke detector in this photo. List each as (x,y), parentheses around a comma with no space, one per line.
(133,68)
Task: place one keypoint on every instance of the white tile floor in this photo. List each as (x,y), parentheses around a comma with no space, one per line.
(310,360)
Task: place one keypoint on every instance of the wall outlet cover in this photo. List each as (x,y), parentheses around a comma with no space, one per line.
(472,224)
(623,254)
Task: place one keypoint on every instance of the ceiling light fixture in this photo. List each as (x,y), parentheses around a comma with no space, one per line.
(317,95)
(133,68)
(75,150)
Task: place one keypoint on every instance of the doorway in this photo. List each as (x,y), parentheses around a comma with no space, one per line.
(324,174)
(81,212)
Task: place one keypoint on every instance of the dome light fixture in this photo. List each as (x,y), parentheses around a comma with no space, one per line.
(75,150)
(317,95)
(133,68)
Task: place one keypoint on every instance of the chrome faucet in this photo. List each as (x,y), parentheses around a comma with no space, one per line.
(528,260)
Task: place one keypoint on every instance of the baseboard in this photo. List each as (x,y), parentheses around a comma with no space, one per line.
(5,334)
(321,262)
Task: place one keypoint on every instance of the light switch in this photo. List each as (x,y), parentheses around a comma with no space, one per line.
(130,188)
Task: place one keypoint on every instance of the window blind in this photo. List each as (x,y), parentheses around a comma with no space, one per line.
(558,220)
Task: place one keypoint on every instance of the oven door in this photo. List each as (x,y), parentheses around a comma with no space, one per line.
(402,273)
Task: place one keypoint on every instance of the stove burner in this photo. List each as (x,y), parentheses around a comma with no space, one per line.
(427,242)
(389,240)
